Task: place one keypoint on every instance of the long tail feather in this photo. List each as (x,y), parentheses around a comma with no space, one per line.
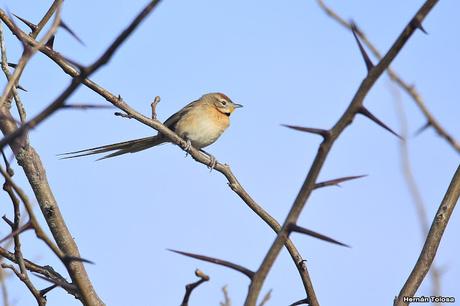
(120,148)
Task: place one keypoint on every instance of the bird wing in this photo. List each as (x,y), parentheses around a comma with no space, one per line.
(173,119)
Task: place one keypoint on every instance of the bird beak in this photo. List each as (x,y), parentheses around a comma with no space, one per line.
(235,105)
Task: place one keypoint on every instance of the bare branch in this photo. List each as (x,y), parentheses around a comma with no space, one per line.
(432,241)
(326,145)
(408,88)
(116,100)
(190,287)
(227,301)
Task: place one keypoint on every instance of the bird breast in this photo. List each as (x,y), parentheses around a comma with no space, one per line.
(202,125)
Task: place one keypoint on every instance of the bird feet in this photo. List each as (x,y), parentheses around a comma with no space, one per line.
(212,162)
(188,146)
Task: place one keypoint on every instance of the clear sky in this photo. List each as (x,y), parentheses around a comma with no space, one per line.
(286,62)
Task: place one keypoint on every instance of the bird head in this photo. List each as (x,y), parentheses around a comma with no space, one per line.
(222,103)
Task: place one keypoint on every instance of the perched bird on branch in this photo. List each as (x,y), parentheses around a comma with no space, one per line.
(200,123)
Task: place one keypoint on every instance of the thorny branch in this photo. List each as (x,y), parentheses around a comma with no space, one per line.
(394,76)
(310,181)
(67,249)
(432,241)
(157,125)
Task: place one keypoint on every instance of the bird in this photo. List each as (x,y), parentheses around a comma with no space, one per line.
(200,123)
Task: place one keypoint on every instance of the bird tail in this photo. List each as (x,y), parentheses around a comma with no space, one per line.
(120,148)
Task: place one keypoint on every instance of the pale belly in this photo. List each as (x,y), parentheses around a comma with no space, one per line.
(202,132)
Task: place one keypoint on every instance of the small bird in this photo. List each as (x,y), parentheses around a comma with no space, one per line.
(199,123)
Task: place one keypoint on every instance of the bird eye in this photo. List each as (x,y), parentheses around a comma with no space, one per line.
(223,102)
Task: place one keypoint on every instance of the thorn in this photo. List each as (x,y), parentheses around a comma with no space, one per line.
(86,106)
(337,181)
(422,128)
(303,230)
(18,231)
(415,22)
(301,302)
(12,65)
(5,218)
(47,289)
(217,261)
(50,42)
(31,26)
(363,111)
(72,33)
(67,259)
(367,60)
(21,88)
(57,282)
(324,133)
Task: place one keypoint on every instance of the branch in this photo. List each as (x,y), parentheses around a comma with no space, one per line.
(234,184)
(310,181)
(432,241)
(409,89)
(190,287)
(33,168)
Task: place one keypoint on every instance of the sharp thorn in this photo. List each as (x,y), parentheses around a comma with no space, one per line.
(72,33)
(422,128)
(86,106)
(18,231)
(363,111)
(324,133)
(418,25)
(21,88)
(303,230)
(217,261)
(31,26)
(68,259)
(50,42)
(47,289)
(12,65)
(336,182)
(367,60)
(301,302)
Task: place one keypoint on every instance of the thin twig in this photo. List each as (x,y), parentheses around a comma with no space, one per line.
(56,4)
(413,188)
(6,71)
(27,53)
(46,271)
(227,301)
(190,287)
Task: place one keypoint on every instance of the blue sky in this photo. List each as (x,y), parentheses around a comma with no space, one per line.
(286,63)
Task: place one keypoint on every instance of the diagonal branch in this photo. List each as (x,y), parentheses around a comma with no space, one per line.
(30,161)
(234,184)
(325,147)
(408,88)
(432,241)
